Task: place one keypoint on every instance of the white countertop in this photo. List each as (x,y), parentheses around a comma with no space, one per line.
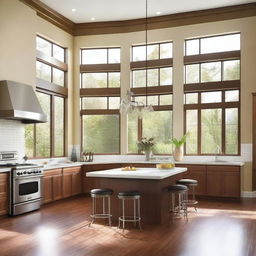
(66,165)
(140,173)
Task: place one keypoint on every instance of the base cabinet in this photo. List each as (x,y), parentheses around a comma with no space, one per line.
(4,178)
(223,181)
(72,181)
(196,172)
(52,182)
(62,183)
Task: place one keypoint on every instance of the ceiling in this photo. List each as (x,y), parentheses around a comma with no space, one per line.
(113,10)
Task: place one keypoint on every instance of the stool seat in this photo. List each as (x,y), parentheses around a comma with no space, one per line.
(187,182)
(129,193)
(177,187)
(102,191)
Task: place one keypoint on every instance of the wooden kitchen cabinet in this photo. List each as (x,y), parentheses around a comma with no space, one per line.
(52,182)
(4,177)
(223,181)
(71,181)
(196,172)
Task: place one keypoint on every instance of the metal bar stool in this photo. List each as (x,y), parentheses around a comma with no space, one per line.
(130,195)
(191,184)
(103,193)
(181,191)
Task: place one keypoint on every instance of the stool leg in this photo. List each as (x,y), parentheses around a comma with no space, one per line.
(173,205)
(123,213)
(139,213)
(103,204)
(185,209)
(93,210)
(109,216)
(194,196)
(134,212)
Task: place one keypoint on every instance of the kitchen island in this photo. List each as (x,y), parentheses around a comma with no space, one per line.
(151,182)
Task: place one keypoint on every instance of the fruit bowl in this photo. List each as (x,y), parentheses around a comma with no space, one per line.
(128,168)
(165,166)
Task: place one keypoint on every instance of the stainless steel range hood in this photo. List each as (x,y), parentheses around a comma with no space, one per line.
(19,102)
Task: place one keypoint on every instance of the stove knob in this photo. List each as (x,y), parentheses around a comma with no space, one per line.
(18,173)
(29,172)
(34,171)
(24,172)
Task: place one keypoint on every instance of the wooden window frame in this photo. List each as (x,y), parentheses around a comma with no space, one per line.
(199,38)
(222,86)
(52,127)
(53,90)
(100,92)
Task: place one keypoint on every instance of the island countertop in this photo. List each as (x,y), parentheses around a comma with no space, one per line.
(139,173)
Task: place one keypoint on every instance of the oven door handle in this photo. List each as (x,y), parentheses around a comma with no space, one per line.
(29,177)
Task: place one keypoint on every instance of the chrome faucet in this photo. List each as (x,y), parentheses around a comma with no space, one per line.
(219,152)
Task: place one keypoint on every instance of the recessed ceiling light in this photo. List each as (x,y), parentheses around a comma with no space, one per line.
(73,10)
(93,18)
(158,13)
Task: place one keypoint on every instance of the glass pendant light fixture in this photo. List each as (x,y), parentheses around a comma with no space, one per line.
(128,105)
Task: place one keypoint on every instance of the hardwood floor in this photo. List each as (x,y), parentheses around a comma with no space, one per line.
(61,229)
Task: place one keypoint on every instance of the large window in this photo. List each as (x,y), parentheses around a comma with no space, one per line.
(157,92)
(212,95)
(100,100)
(48,139)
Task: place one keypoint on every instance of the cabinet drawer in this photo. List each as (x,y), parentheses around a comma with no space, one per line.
(223,168)
(53,172)
(71,169)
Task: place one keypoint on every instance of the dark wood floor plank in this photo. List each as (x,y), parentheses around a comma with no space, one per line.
(61,229)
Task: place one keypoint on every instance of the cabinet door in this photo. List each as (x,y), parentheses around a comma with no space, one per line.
(67,184)
(47,193)
(196,172)
(231,184)
(214,183)
(4,193)
(57,187)
(76,183)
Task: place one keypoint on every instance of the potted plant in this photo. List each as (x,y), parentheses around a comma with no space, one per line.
(178,150)
(146,145)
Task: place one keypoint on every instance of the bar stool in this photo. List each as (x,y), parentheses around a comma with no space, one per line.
(181,191)
(103,193)
(130,195)
(191,184)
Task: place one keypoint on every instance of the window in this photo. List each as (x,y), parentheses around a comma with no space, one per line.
(100,100)
(212,95)
(101,133)
(157,92)
(48,139)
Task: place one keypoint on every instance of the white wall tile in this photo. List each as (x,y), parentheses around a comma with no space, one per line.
(12,137)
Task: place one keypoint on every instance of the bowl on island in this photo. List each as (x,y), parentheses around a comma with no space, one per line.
(165,166)
(128,168)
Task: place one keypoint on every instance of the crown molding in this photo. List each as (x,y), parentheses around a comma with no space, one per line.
(47,13)
(126,26)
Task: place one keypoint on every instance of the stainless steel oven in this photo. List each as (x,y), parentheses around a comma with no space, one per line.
(26,188)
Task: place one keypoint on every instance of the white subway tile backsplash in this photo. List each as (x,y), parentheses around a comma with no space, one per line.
(12,137)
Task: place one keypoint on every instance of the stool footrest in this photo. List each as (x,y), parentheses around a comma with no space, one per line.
(130,218)
(101,215)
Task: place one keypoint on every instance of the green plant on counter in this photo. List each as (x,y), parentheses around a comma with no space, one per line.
(178,143)
(146,144)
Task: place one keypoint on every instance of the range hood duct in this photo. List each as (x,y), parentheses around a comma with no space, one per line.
(19,102)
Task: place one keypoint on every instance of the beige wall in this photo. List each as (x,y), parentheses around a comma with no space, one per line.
(17,42)
(248,75)
(19,25)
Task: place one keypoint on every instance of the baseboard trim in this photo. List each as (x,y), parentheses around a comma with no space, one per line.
(248,194)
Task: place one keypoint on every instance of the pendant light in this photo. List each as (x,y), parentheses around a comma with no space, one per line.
(128,105)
